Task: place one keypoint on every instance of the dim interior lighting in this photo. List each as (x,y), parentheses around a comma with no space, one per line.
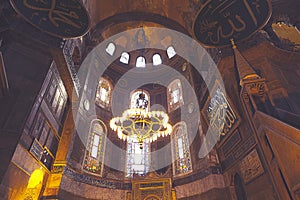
(138,123)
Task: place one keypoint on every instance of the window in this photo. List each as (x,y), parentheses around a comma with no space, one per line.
(138,160)
(135,96)
(180,150)
(171,52)
(95,147)
(110,49)
(287,34)
(156,59)
(103,94)
(175,95)
(124,58)
(140,62)
(56,97)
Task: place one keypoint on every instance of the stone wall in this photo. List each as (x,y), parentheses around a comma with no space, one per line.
(200,186)
(71,189)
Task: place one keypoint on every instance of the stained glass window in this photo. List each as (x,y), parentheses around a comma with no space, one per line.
(103,93)
(135,96)
(180,150)
(138,160)
(175,95)
(95,147)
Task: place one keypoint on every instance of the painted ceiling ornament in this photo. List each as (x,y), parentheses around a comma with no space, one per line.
(63,18)
(219,21)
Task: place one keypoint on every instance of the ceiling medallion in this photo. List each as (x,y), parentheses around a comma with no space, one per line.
(141,125)
(63,18)
(219,21)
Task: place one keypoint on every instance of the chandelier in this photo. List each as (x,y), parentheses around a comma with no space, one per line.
(141,125)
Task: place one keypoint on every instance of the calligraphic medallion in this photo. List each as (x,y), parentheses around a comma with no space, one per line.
(218,21)
(59,18)
(219,113)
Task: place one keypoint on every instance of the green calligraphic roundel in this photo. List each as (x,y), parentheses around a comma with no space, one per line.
(60,18)
(219,21)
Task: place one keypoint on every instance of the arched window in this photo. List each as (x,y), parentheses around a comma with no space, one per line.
(95,148)
(138,160)
(180,150)
(175,95)
(140,62)
(124,58)
(156,59)
(135,96)
(110,49)
(103,94)
(171,52)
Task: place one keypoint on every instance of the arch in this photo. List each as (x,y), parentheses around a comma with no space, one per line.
(171,52)
(156,59)
(140,62)
(135,95)
(110,49)
(239,188)
(174,95)
(181,154)
(95,148)
(136,16)
(103,93)
(124,58)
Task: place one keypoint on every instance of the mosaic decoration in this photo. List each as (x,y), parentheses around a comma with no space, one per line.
(251,167)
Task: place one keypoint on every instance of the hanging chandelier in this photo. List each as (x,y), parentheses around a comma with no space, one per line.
(141,125)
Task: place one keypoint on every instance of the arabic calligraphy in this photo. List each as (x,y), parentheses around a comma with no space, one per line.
(63,18)
(220,114)
(219,21)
